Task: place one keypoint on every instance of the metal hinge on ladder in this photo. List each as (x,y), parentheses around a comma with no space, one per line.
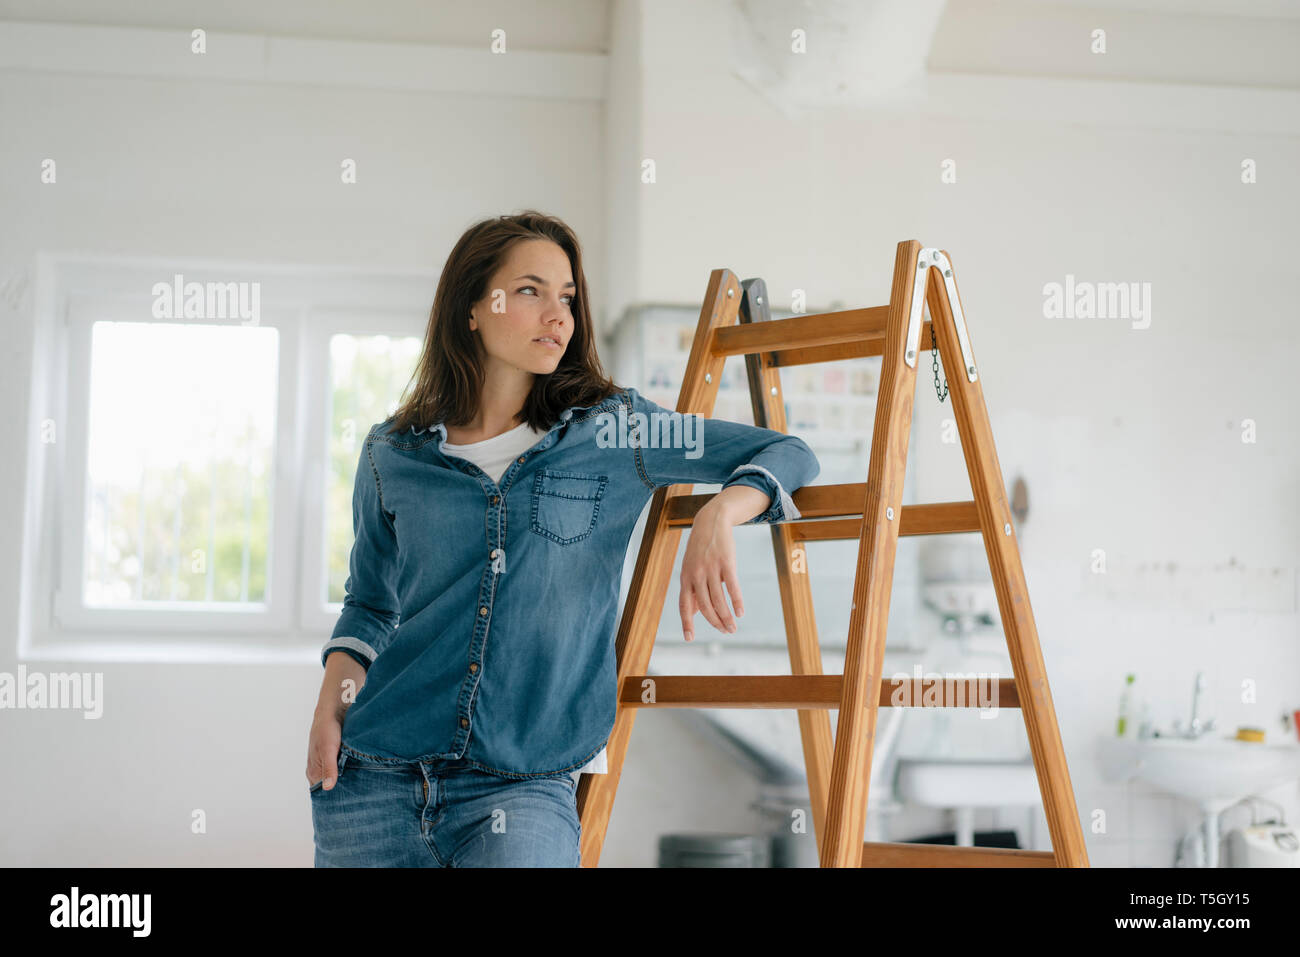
(930,257)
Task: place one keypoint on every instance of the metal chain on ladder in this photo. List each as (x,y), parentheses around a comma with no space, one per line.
(934,360)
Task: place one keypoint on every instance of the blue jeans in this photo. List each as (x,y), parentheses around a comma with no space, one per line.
(442,814)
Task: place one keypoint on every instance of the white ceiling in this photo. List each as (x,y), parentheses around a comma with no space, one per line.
(1274,9)
(860,50)
(851,51)
(868,51)
(1234,43)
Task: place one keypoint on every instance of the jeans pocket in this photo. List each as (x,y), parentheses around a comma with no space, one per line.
(565,504)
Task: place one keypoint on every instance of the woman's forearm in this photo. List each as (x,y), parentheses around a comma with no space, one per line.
(737,504)
(344,676)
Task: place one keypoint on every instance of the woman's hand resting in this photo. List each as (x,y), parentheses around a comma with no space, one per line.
(710,559)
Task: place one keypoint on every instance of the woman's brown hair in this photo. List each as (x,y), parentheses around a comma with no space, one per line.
(448,379)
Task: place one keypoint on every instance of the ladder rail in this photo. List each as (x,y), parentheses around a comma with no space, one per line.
(873,581)
(791,559)
(1003,551)
(643,607)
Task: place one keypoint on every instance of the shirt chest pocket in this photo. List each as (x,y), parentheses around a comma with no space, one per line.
(565,504)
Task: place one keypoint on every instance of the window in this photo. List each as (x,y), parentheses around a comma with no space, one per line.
(191,472)
(179,465)
(363,373)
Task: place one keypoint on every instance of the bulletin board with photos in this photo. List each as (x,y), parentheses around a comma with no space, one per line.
(831,405)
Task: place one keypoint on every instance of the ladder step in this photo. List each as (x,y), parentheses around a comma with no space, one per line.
(948,855)
(807,692)
(814,501)
(820,329)
(802,340)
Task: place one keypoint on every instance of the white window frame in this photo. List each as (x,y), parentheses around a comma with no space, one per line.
(164,617)
(323,323)
(307,305)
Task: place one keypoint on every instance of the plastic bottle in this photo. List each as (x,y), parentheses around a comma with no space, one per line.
(1124,727)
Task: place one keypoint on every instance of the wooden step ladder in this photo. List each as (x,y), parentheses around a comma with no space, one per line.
(872,513)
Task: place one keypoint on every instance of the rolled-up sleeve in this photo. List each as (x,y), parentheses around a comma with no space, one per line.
(672,450)
(370,607)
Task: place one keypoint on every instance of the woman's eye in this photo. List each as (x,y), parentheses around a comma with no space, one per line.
(569,296)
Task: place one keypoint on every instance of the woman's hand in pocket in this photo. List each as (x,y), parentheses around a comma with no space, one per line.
(323,749)
(343,679)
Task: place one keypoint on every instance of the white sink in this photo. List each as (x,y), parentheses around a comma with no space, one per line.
(963,786)
(967,783)
(1210,768)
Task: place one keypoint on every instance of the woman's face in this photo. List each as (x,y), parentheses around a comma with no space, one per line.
(528,300)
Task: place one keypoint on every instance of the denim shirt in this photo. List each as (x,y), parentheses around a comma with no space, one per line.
(485,613)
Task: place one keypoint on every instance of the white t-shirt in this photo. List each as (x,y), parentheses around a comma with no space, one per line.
(494,456)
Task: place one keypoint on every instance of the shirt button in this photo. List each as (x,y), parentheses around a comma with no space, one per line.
(464,722)
(473,667)
(495,499)
(482,609)
(520,459)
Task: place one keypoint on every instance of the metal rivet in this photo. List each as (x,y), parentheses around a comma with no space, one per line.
(889,513)
(731,293)
(759,300)
(970,369)
(1007,528)
(774,390)
(911,353)
(947,272)
(708,377)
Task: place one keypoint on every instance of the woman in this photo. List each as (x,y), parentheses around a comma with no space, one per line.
(492,513)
